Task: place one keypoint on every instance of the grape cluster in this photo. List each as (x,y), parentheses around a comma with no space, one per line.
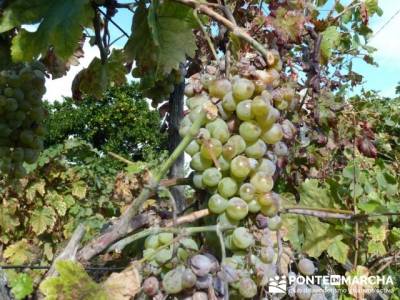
(21,116)
(234,158)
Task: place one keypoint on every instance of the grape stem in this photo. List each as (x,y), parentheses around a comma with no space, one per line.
(236,30)
(206,35)
(123,226)
(119,246)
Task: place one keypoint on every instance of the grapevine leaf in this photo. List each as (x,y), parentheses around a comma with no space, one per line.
(72,283)
(8,220)
(312,195)
(79,189)
(377,233)
(376,248)
(339,251)
(60,26)
(124,285)
(38,187)
(318,236)
(330,39)
(57,202)
(21,286)
(161,38)
(18,253)
(98,76)
(43,219)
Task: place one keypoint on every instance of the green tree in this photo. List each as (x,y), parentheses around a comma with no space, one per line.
(121,122)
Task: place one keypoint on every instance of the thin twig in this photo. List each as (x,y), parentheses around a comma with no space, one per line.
(98,39)
(114,23)
(354,192)
(206,35)
(238,31)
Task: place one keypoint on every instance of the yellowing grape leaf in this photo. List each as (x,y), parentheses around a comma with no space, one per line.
(124,285)
(338,250)
(79,189)
(8,219)
(18,253)
(38,187)
(330,40)
(60,26)
(43,219)
(72,283)
(161,39)
(97,77)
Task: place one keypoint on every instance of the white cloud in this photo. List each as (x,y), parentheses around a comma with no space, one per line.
(387,41)
(61,87)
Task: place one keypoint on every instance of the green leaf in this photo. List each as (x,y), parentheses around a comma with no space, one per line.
(376,248)
(377,232)
(79,189)
(312,195)
(72,283)
(57,202)
(372,6)
(38,187)
(339,251)
(97,77)
(60,26)
(21,286)
(43,219)
(8,219)
(161,38)
(330,39)
(18,253)
(371,206)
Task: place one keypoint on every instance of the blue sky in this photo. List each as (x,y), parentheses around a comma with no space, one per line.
(383,78)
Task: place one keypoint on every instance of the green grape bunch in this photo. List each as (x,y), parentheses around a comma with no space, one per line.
(235,158)
(21,117)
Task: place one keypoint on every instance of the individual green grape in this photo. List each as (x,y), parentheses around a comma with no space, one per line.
(165,237)
(211,177)
(254,206)
(260,107)
(225,220)
(11,105)
(229,151)
(266,166)
(211,148)
(198,100)
(238,142)
(274,223)
(188,279)
(273,135)
(229,103)
(30,155)
(237,209)
(227,187)
(203,135)
(247,288)
(219,88)
(267,254)
(247,192)
(306,267)
(221,133)
(184,127)
(229,244)
(256,150)
(224,165)
(243,110)
(217,123)
(199,163)
(163,255)
(240,166)
(8,92)
(242,238)
(195,112)
(242,89)
(249,131)
(262,182)
(17,154)
(267,122)
(206,79)
(192,148)
(148,253)
(217,204)
(151,242)
(5,131)
(172,281)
